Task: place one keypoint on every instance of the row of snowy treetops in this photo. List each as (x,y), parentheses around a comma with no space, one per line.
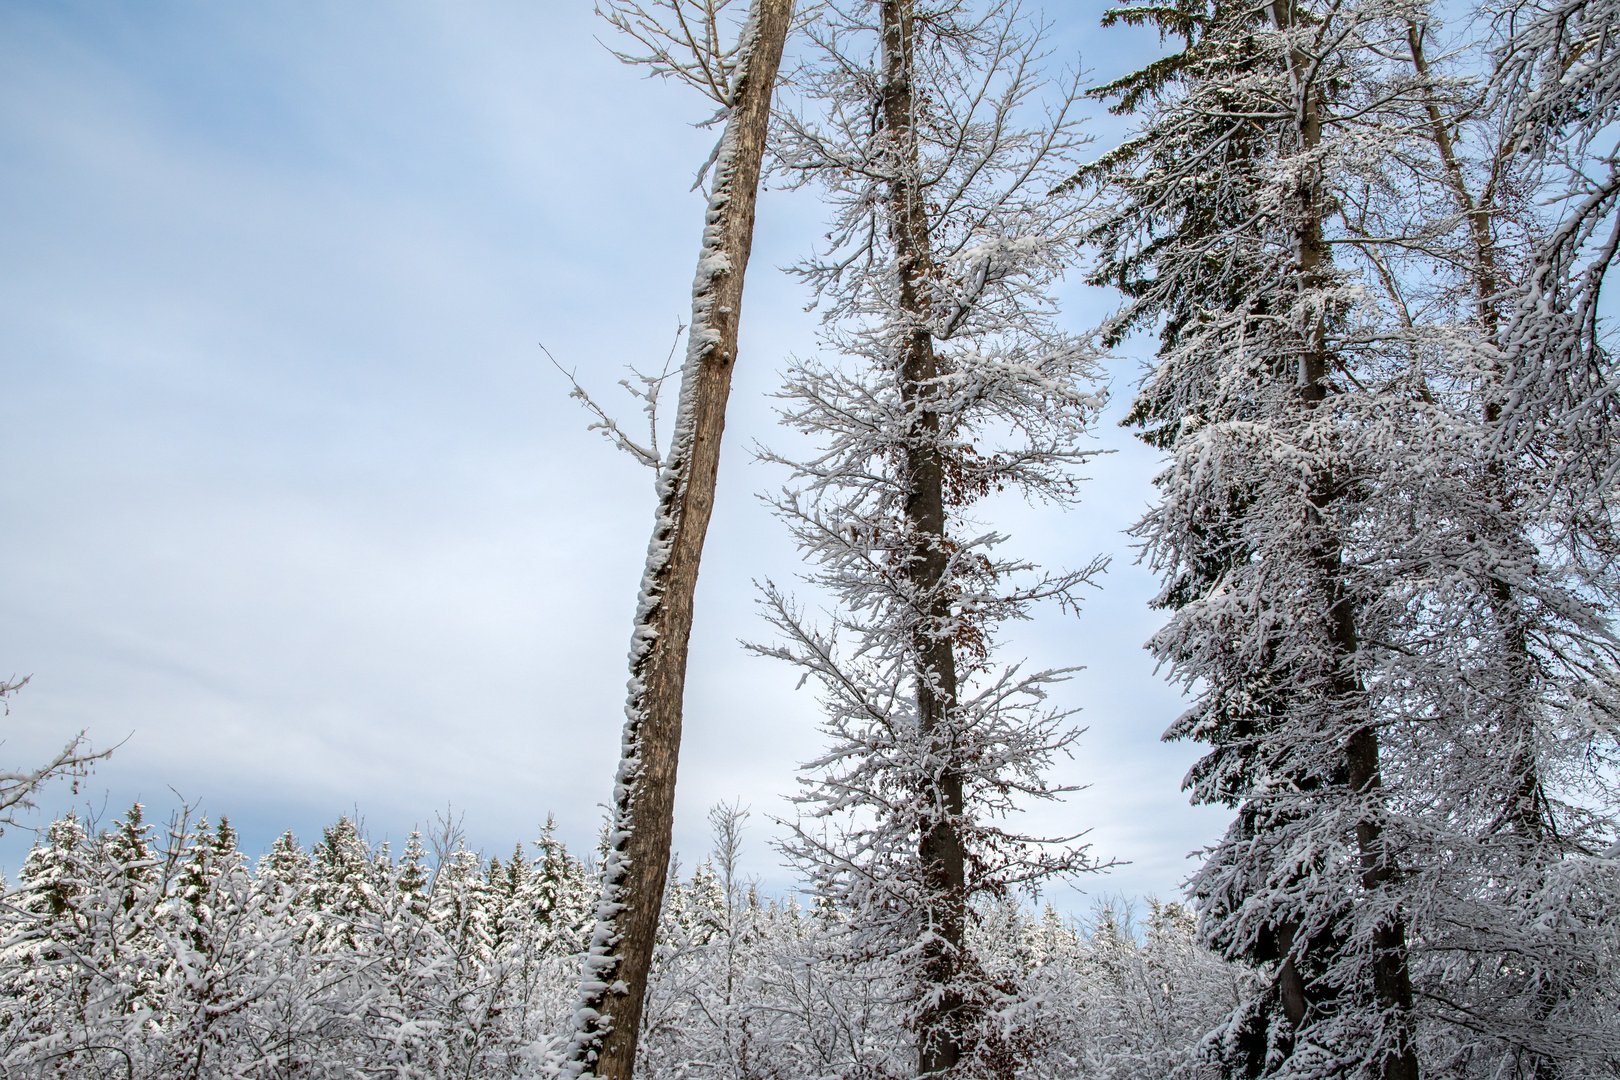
(134,951)
(1370,246)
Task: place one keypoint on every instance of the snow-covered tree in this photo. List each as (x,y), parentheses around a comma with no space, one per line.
(1395,675)
(1559,72)
(921,126)
(1264,394)
(128,953)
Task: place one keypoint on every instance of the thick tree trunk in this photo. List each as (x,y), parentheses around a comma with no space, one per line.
(939,1038)
(614,980)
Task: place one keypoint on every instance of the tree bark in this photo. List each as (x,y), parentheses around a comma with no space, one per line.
(939,1038)
(614,980)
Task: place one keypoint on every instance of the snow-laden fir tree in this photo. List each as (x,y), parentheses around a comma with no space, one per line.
(1390,670)
(128,953)
(921,125)
(1219,234)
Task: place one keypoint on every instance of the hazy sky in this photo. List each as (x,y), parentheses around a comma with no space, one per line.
(294,501)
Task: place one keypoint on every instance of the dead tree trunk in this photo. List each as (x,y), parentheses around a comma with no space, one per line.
(614,979)
(1392,985)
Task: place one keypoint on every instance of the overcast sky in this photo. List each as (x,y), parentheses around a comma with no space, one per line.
(296,506)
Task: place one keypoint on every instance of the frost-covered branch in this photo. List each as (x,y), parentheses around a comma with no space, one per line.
(647,393)
(922,131)
(73,761)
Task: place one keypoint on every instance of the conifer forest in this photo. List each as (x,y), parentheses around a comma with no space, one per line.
(1356,251)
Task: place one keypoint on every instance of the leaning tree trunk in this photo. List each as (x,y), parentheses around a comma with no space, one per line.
(939,1035)
(613,982)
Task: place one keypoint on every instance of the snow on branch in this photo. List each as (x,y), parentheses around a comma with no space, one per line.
(647,393)
(685,40)
(74,760)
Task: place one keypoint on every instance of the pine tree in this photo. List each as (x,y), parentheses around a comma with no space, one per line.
(223,950)
(287,864)
(403,1023)
(46,951)
(560,896)
(211,973)
(1463,646)
(342,893)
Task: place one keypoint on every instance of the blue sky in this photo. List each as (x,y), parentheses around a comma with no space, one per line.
(294,501)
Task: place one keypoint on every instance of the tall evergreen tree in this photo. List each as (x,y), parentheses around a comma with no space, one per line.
(1221,226)
(342,892)
(1387,660)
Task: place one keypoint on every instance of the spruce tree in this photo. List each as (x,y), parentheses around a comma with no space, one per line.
(1219,225)
(1387,657)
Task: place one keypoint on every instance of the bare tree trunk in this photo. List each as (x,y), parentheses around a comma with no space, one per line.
(613,983)
(939,1038)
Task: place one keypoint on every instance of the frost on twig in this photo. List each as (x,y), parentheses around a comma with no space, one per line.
(645,388)
(685,40)
(17,788)
(953,382)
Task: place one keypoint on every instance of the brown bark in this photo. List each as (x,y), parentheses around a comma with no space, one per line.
(939,1035)
(1290,984)
(645,794)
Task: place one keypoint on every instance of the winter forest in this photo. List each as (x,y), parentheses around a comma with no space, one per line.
(1359,247)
